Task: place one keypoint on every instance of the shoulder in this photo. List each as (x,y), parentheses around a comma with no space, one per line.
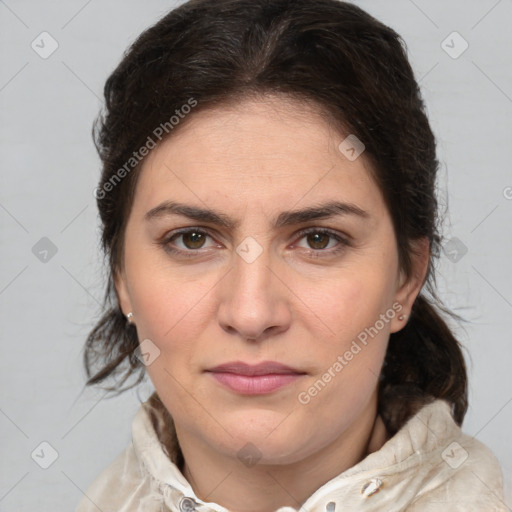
(114,485)
(463,475)
(126,483)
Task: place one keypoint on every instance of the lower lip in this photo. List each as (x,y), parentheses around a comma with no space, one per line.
(255,384)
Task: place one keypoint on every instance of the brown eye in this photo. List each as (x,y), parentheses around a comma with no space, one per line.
(193,239)
(318,240)
(186,241)
(322,242)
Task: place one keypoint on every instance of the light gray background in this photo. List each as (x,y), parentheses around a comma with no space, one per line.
(50,168)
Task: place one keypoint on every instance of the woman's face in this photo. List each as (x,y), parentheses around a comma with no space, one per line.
(253,238)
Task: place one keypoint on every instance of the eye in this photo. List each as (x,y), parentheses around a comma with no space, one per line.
(323,240)
(188,242)
(192,239)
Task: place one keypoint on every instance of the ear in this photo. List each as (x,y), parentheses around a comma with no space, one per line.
(409,289)
(123,296)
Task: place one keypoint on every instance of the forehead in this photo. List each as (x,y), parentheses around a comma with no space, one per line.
(265,152)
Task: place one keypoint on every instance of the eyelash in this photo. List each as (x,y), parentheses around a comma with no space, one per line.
(315,253)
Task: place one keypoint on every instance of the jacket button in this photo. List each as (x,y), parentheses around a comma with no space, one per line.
(330,507)
(371,487)
(187,504)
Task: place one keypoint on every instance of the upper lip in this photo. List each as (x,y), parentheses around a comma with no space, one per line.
(263,368)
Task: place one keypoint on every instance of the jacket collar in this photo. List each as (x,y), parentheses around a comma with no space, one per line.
(395,474)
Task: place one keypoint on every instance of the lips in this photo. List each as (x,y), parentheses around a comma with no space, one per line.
(258,379)
(264,368)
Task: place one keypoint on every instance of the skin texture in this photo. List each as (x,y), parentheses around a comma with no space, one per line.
(298,302)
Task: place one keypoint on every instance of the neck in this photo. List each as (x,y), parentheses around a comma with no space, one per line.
(216,477)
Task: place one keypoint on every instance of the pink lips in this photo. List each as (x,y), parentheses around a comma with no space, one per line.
(257,379)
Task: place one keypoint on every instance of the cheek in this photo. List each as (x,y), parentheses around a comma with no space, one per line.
(172,312)
(347,379)
(163,298)
(355,348)
(347,304)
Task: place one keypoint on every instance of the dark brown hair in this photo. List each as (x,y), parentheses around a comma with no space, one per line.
(355,71)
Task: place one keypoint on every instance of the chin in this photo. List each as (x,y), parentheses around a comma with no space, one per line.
(272,436)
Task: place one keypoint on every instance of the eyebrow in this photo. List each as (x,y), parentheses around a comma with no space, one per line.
(322,211)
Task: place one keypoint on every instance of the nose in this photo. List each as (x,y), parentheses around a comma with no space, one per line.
(254,299)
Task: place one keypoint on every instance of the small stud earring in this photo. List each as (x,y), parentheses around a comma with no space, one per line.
(401,317)
(129,317)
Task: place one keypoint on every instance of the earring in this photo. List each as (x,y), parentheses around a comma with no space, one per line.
(129,317)
(401,317)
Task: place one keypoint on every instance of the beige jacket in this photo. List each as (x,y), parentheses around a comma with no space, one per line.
(429,465)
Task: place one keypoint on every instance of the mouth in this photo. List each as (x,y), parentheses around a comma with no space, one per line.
(258,379)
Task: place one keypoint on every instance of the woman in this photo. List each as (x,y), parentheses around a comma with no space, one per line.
(270,219)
